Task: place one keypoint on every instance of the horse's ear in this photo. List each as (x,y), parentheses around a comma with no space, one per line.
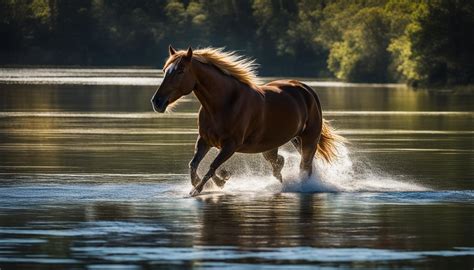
(189,54)
(171,50)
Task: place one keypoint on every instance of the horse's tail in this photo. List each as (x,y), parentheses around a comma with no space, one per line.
(328,142)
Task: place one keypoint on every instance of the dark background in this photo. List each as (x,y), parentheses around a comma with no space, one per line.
(418,42)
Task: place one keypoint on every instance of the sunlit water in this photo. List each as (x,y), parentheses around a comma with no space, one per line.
(91,178)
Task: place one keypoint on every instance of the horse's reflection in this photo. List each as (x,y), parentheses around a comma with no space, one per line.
(273,220)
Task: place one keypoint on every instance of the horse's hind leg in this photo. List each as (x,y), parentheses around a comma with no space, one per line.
(309,146)
(307,152)
(277,161)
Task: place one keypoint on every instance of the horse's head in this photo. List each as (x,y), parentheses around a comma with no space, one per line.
(178,79)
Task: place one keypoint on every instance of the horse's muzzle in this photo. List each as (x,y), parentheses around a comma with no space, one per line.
(160,104)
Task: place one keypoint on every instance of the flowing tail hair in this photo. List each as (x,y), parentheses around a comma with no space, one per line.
(328,142)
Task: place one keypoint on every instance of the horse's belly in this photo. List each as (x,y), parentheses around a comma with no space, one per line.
(261,147)
(268,140)
(283,126)
(280,125)
(211,137)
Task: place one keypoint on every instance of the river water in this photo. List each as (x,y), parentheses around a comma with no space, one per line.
(92,178)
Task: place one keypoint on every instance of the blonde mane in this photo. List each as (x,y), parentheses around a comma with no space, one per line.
(230,63)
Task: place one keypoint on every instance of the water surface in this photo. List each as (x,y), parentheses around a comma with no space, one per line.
(91,178)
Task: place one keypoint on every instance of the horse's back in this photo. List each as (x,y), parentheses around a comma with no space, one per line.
(291,87)
(287,95)
(280,83)
(291,90)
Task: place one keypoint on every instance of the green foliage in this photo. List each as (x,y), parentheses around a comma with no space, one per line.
(444,42)
(41,11)
(403,20)
(361,53)
(414,41)
(403,59)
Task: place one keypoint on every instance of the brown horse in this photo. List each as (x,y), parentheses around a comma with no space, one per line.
(239,115)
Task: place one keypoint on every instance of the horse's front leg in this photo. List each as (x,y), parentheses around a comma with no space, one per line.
(225,153)
(202,148)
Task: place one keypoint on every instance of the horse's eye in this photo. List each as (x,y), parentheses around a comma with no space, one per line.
(180,71)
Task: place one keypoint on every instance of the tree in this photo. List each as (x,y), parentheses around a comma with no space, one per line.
(403,16)
(414,41)
(444,43)
(360,53)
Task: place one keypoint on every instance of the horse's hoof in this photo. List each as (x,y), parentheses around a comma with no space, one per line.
(194,192)
(224,174)
(220,182)
(221,177)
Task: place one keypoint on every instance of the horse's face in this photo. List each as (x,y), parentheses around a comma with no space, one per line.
(178,81)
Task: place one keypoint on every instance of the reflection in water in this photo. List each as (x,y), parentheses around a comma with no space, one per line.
(91,178)
(323,220)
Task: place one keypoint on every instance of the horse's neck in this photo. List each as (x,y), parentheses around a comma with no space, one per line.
(213,89)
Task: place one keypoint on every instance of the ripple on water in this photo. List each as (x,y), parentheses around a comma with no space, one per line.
(84,229)
(309,254)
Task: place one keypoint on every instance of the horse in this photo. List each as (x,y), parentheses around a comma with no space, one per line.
(239,114)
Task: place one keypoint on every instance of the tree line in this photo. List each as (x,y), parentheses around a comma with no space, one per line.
(426,42)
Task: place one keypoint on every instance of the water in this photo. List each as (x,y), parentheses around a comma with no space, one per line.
(91,178)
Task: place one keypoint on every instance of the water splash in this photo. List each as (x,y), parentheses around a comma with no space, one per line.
(251,173)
